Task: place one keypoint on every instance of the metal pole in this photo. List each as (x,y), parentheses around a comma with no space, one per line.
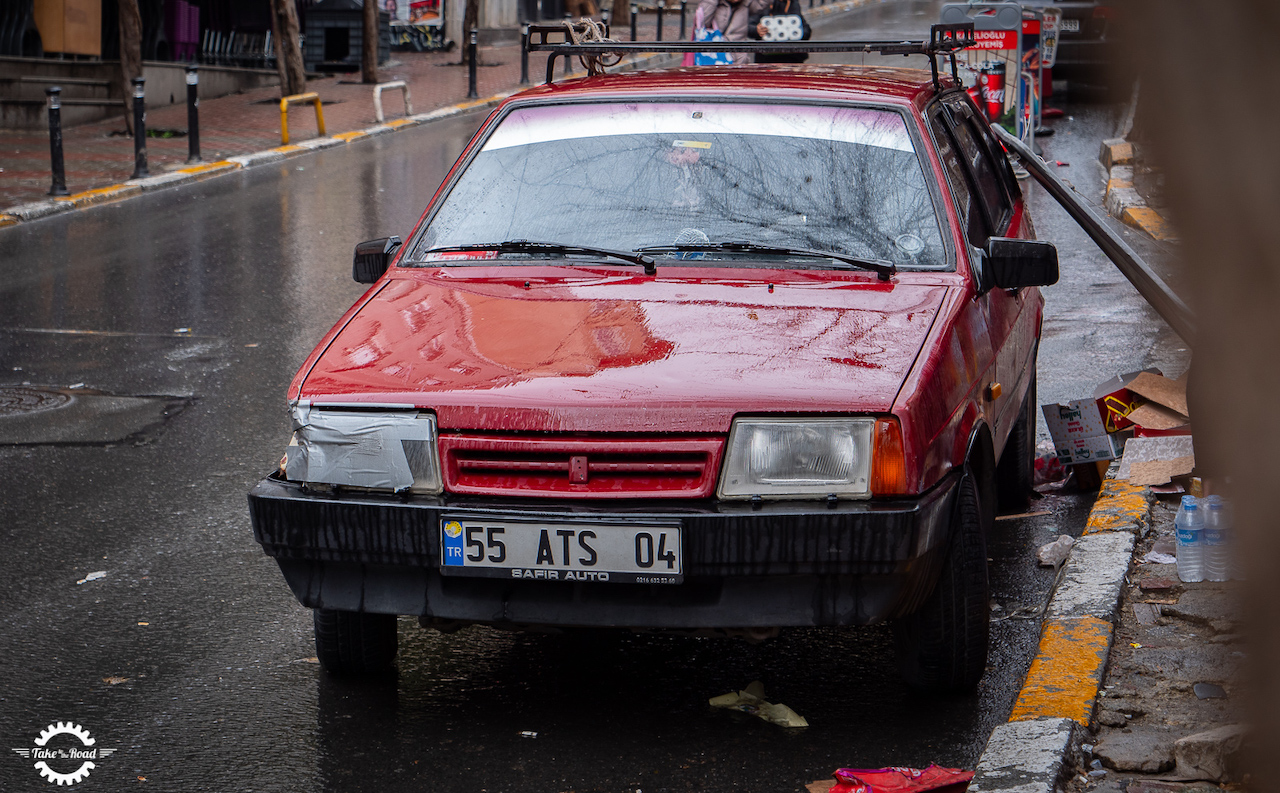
(524,54)
(1155,291)
(471,64)
(193,114)
(684,7)
(662,8)
(139,130)
(635,9)
(54,97)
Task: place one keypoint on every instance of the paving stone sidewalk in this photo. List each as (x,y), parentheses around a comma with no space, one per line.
(1168,716)
(101,153)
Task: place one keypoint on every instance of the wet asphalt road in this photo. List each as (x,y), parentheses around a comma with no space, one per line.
(191,657)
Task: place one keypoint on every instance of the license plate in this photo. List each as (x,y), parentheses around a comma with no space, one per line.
(1069,25)
(600,552)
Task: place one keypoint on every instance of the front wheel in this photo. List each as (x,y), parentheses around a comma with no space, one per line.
(942,648)
(353,643)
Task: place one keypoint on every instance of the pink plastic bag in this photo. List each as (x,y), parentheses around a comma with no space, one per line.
(901,780)
(697,23)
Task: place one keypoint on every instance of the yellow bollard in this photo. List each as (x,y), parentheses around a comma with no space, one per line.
(310,96)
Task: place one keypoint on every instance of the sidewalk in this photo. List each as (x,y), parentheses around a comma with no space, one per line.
(1171,703)
(100,154)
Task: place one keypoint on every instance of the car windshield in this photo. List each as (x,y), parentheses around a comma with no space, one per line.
(627,176)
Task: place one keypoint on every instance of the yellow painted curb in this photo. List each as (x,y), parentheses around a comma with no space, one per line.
(289,149)
(1120,506)
(102,194)
(399,122)
(1149,220)
(1116,154)
(1118,184)
(350,136)
(1065,676)
(209,168)
(9,220)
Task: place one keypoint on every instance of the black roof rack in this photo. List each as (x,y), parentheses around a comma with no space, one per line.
(943,40)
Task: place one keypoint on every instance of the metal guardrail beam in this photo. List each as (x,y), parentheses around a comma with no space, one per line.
(310,96)
(1152,288)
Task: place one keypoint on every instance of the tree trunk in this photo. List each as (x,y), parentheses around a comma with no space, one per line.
(275,46)
(470,19)
(293,77)
(369,44)
(130,54)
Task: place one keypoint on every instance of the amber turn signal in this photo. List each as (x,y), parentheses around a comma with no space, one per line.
(888,460)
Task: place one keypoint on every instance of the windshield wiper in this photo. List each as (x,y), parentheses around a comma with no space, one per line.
(529,246)
(883,269)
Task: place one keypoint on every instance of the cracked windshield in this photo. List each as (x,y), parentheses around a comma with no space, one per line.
(635,175)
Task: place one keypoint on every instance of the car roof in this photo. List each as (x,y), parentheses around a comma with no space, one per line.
(831,82)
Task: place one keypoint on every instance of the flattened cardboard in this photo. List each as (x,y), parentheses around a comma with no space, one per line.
(1157,417)
(1115,402)
(1170,393)
(1155,461)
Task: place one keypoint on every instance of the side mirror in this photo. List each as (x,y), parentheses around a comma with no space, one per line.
(373,258)
(1014,263)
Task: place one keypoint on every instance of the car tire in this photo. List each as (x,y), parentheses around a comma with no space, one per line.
(353,643)
(942,647)
(1015,474)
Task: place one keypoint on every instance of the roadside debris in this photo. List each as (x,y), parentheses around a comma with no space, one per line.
(894,780)
(751,700)
(94,576)
(115,680)
(528,734)
(1056,552)
(1155,557)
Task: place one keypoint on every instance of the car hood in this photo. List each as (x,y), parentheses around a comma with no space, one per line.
(572,350)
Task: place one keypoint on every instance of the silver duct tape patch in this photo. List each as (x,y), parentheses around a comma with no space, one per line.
(355,449)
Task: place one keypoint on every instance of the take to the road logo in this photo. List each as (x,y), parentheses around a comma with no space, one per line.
(64,753)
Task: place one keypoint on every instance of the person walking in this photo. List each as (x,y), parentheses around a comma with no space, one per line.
(756,29)
(731,18)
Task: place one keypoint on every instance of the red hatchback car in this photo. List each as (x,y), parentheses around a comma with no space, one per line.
(694,349)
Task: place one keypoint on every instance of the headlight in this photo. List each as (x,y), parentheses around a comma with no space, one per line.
(378,450)
(798,458)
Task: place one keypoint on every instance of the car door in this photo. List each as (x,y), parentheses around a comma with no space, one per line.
(990,206)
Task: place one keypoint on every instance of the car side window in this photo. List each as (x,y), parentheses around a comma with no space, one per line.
(970,216)
(986,177)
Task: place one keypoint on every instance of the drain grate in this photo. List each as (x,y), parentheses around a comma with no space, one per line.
(23,400)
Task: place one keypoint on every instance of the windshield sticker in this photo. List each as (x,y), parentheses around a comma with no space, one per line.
(864,126)
(690,144)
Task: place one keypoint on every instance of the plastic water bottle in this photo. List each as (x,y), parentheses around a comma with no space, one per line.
(1217,535)
(1189,526)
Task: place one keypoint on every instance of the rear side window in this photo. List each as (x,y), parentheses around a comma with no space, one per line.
(970,215)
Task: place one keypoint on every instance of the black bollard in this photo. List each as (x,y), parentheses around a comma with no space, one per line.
(472,46)
(59,186)
(684,7)
(662,8)
(635,10)
(193,114)
(139,130)
(524,54)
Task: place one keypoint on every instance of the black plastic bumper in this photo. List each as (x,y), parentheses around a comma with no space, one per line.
(777,564)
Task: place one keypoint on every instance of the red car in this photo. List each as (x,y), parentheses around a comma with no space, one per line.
(731,349)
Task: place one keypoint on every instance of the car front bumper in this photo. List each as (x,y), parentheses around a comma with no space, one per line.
(777,564)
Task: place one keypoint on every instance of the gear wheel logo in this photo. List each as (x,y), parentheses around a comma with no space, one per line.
(81,757)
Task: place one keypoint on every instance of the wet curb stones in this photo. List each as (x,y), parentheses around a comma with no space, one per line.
(1034,751)
(41,209)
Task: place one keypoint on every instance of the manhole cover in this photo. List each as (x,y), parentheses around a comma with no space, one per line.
(20,400)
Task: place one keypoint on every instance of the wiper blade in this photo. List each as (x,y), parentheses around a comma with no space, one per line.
(530,246)
(883,269)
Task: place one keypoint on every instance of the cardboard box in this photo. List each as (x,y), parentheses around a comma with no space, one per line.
(1116,401)
(69,26)
(1079,435)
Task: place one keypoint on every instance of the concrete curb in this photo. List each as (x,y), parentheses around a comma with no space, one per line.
(1124,202)
(1035,750)
(40,209)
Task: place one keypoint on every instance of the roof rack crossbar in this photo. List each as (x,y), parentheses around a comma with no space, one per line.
(943,40)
